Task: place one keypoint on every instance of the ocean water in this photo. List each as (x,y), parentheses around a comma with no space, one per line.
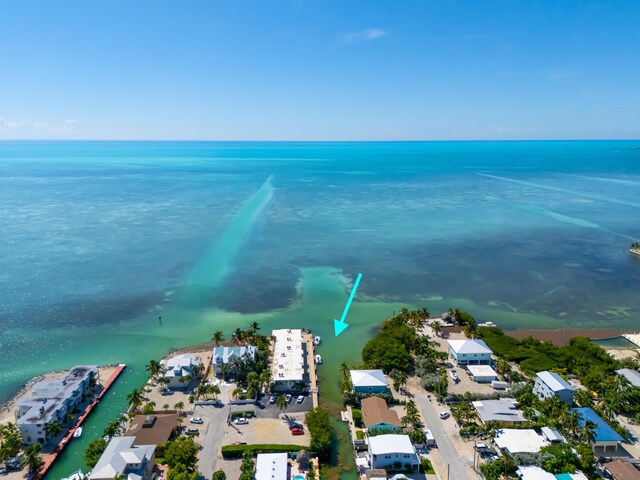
(100,238)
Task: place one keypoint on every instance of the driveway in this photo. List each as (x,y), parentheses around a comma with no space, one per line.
(458,469)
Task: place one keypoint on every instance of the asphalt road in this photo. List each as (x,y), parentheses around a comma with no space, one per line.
(431,413)
(207,463)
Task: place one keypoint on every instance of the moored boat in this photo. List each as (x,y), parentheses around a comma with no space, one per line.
(318,359)
(77,433)
(75,476)
(316,340)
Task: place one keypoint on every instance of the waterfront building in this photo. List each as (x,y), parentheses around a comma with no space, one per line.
(271,466)
(178,368)
(385,450)
(122,458)
(548,384)
(52,400)
(368,381)
(377,416)
(470,352)
(226,355)
(290,369)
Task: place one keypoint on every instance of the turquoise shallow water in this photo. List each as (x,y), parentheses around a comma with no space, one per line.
(100,238)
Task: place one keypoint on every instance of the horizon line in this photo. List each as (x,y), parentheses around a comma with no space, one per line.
(138,140)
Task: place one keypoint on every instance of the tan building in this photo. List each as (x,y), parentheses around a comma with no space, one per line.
(619,470)
(377,417)
(152,429)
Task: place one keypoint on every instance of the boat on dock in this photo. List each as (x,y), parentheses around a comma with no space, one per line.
(316,340)
(75,476)
(318,359)
(77,433)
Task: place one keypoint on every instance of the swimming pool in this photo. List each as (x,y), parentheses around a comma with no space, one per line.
(298,477)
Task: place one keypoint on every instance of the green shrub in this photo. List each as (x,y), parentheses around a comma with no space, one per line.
(356,413)
(237,451)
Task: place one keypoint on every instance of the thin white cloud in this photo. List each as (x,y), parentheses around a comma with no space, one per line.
(364,35)
(559,76)
(24,126)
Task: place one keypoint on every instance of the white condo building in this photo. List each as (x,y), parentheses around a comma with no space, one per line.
(51,401)
(289,359)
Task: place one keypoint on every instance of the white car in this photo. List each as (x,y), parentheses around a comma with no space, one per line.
(197,420)
(444,415)
(288,398)
(300,399)
(241,421)
(272,399)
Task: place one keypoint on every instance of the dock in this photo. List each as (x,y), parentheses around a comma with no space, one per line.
(311,361)
(53,456)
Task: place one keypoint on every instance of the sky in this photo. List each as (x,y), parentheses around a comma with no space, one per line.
(322,70)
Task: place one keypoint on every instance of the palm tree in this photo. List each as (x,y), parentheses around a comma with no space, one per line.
(281,403)
(344,369)
(154,368)
(589,430)
(254,328)
(503,367)
(238,336)
(265,378)
(10,440)
(32,457)
(165,407)
(437,328)
(135,398)
(111,430)
(214,390)
(218,337)
(52,430)
(179,406)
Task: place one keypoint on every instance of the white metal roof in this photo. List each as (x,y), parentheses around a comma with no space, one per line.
(469,347)
(632,375)
(119,455)
(368,378)
(288,356)
(520,440)
(534,473)
(554,381)
(384,444)
(482,371)
(503,410)
(552,435)
(271,466)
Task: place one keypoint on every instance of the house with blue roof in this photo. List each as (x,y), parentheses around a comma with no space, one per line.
(548,384)
(605,435)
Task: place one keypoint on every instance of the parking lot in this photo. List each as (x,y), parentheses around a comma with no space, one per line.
(271,410)
(265,430)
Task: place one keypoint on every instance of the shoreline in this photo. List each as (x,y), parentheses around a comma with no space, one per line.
(561,336)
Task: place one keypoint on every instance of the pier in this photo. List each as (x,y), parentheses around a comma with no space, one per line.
(53,456)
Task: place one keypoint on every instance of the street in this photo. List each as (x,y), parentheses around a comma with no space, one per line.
(430,410)
(208,461)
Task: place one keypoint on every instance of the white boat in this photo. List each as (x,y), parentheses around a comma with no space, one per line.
(453,375)
(316,341)
(487,324)
(77,433)
(75,476)
(318,359)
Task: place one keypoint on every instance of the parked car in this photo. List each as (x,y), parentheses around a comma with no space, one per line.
(444,415)
(297,431)
(192,431)
(295,425)
(288,398)
(454,376)
(300,399)
(239,443)
(272,399)
(197,420)
(241,421)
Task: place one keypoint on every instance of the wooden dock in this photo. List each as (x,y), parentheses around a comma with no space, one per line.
(53,456)
(311,361)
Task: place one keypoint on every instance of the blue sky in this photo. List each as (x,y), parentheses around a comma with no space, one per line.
(296,70)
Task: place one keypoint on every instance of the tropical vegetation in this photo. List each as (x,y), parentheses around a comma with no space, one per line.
(94,451)
(321,430)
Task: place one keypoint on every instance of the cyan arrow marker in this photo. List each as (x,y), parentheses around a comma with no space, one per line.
(338,325)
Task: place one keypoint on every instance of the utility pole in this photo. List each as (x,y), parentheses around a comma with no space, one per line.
(448,465)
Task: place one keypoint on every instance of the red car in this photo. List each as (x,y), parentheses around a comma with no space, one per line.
(297,431)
